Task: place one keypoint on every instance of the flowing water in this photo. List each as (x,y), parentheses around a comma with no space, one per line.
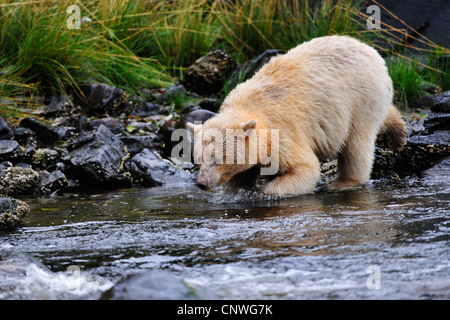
(383,241)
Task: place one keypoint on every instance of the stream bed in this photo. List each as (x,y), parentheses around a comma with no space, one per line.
(387,240)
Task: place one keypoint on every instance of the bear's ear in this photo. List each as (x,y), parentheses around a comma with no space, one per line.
(248,125)
(192,127)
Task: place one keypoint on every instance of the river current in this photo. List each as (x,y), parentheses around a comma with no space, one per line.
(387,240)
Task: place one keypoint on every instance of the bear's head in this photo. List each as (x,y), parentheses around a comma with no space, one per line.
(223,150)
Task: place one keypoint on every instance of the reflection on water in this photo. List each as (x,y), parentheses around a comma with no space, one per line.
(242,245)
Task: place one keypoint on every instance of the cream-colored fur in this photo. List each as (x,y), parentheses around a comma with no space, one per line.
(328,98)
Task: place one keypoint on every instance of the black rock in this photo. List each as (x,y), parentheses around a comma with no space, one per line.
(45,133)
(9,150)
(195,117)
(18,180)
(151,170)
(101,100)
(21,134)
(439,173)
(12,212)
(441,103)
(52,181)
(113,124)
(172,93)
(207,75)
(156,285)
(96,157)
(437,121)
(247,70)
(5,131)
(56,106)
(145,109)
(210,104)
(136,144)
(420,153)
(32,123)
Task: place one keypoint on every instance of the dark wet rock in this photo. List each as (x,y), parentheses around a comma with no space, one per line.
(441,103)
(12,212)
(172,93)
(57,106)
(247,70)
(151,170)
(168,128)
(437,121)
(102,99)
(18,180)
(165,132)
(5,131)
(114,124)
(195,117)
(145,109)
(52,135)
(21,134)
(207,75)
(416,127)
(34,124)
(439,172)
(156,285)
(210,104)
(41,157)
(420,153)
(45,133)
(96,157)
(9,150)
(141,127)
(137,143)
(51,181)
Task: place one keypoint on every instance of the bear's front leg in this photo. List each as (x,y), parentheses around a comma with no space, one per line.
(298,178)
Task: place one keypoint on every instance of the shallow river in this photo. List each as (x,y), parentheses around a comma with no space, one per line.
(384,241)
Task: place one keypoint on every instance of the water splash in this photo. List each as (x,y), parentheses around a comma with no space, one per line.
(23,277)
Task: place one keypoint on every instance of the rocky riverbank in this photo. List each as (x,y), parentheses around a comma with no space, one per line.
(111,139)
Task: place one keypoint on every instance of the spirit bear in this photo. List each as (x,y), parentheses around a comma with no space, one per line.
(326,98)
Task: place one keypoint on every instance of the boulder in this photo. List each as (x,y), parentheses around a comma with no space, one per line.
(156,285)
(146,109)
(437,121)
(12,212)
(136,143)
(200,115)
(441,103)
(439,172)
(420,153)
(51,181)
(18,180)
(45,133)
(210,104)
(5,131)
(151,170)
(102,99)
(96,157)
(41,158)
(114,124)
(207,75)
(247,70)
(57,106)
(9,150)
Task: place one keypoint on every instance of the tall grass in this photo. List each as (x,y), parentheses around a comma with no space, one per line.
(252,26)
(137,44)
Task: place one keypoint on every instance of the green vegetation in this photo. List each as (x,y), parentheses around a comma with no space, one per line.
(137,44)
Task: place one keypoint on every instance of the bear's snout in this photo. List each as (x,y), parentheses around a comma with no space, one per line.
(201,185)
